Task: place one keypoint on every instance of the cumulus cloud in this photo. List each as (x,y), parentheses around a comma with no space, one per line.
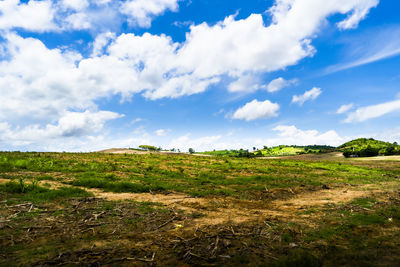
(308,95)
(373,111)
(245,83)
(101,41)
(32,16)
(75,4)
(290,135)
(50,15)
(257,110)
(39,84)
(278,84)
(54,15)
(141,12)
(283,135)
(252,82)
(78,21)
(158,67)
(71,124)
(344,108)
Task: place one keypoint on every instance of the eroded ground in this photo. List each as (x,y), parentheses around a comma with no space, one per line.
(323,213)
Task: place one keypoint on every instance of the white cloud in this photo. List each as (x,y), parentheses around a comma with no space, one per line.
(162,132)
(245,83)
(81,123)
(157,67)
(93,15)
(39,85)
(285,135)
(290,135)
(257,110)
(198,144)
(389,135)
(70,125)
(370,47)
(77,5)
(141,12)
(344,108)
(358,14)
(101,41)
(78,21)
(135,121)
(252,82)
(48,15)
(373,111)
(308,95)
(278,84)
(32,16)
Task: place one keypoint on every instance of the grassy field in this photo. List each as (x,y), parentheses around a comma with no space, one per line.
(155,209)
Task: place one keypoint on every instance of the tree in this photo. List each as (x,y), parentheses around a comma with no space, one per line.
(149,148)
(191,150)
(347,153)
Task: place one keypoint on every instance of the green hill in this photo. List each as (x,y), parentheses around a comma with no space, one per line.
(272,151)
(241,153)
(293,150)
(364,147)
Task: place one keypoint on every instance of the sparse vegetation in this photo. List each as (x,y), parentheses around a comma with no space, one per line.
(63,208)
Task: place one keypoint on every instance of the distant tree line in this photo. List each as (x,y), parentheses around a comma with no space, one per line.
(370,147)
(149,148)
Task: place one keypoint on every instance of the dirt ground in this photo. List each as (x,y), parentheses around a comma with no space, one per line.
(277,227)
(200,231)
(219,210)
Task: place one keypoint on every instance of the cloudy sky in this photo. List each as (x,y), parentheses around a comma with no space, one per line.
(84,75)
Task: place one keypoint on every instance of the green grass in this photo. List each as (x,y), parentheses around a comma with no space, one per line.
(282,151)
(340,234)
(364,202)
(38,194)
(117,187)
(293,150)
(198,176)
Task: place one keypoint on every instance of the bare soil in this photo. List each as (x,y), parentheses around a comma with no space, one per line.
(220,210)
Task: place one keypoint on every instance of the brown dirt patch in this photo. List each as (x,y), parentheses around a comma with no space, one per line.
(122,151)
(214,211)
(3,181)
(386,158)
(219,210)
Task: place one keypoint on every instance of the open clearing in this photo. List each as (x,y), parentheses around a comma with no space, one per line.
(156,209)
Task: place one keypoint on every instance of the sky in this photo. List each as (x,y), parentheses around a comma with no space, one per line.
(86,75)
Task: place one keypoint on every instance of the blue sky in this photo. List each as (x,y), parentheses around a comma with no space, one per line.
(85,75)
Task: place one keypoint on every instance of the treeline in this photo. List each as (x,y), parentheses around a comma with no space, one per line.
(369,147)
(241,153)
(362,147)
